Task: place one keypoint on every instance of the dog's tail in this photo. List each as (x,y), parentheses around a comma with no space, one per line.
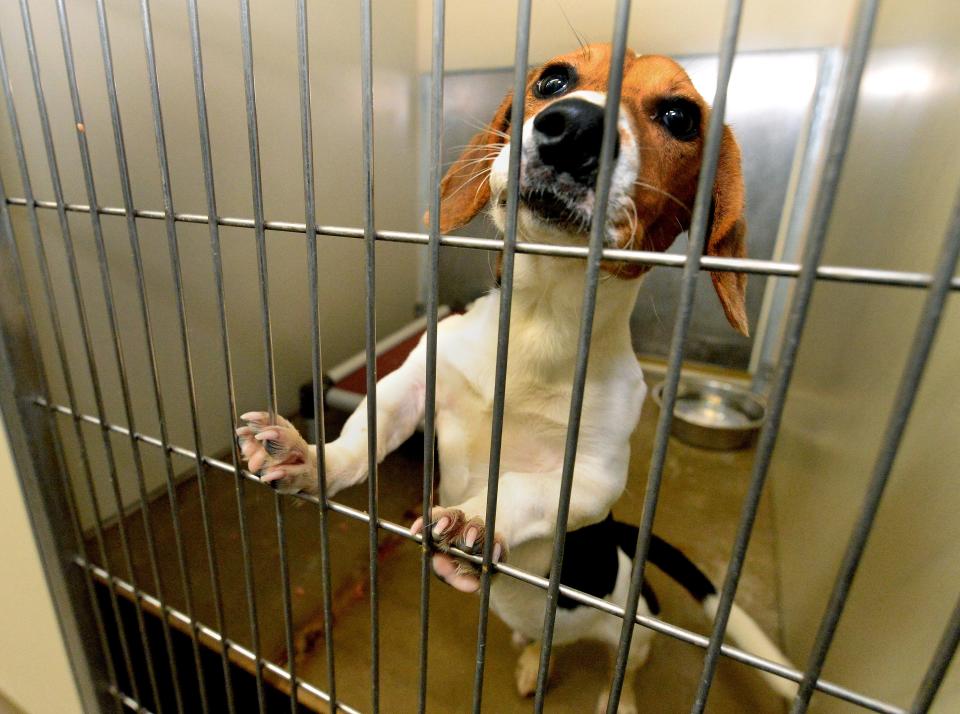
(741,628)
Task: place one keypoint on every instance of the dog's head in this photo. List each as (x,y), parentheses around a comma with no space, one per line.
(662,123)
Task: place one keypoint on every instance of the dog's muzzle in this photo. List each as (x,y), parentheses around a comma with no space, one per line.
(568,135)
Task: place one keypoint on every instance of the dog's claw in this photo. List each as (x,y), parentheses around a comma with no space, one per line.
(452,529)
(275,452)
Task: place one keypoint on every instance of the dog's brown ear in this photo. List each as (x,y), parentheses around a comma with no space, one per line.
(727,232)
(465,190)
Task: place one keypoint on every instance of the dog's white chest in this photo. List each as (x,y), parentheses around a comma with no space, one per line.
(538,392)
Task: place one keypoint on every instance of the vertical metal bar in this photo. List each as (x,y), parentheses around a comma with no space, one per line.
(366,79)
(257,189)
(253,138)
(287,603)
(903,404)
(823,206)
(795,213)
(319,437)
(939,664)
(126,190)
(688,288)
(240,483)
(85,334)
(175,266)
(108,295)
(60,462)
(430,392)
(598,234)
(520,61)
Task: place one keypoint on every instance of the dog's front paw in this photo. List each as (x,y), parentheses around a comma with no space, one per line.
(275,451)
(451,528)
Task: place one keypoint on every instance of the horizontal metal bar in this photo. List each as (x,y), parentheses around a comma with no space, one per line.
(652,623)
(833,273)
(108,579)
(128,702)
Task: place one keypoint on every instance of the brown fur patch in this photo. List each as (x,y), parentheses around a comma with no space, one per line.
(667,180)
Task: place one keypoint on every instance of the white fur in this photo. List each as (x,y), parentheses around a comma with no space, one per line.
(625,172)
(743,630)
(543,342)
(544,326)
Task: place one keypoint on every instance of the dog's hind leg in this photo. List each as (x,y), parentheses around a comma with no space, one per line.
(528,665)
(639,651)
(609,633)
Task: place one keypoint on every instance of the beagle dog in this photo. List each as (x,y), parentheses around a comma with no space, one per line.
(661,124)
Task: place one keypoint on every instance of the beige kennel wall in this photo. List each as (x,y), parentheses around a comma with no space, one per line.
(480,35)
(896,192)
(335,57)
(34,672)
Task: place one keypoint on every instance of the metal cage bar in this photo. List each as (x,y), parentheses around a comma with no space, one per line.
(750,266)
(939,664)
(176,269)
(316,368)
(652,623)
(256,181)
(370,329)
(84,328)
(939,284)
(503,338)
(852,71)
(215,249)
(598,235)
(899,414)
(430,368)
(104,577)
(695,247)
(13,259)
(122,700)
(108,294)
(127,193)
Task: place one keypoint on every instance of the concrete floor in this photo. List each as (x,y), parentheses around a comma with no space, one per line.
(699,509)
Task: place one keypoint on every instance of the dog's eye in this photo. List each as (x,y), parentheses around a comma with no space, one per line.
(681,118)
(554,81)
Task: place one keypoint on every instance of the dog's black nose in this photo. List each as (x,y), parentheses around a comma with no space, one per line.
(568,135)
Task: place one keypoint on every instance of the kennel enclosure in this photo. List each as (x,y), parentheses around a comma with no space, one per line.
(48,342)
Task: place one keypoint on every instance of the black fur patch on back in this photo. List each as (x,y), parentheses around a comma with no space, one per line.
(591,565)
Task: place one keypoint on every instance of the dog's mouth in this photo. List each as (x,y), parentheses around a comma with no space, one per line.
(556,208)
(555,201)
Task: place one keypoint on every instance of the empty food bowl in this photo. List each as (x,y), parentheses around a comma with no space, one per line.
(714,414)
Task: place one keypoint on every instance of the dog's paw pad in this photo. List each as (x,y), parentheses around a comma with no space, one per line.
(450,528)
(275,451)
(289,478)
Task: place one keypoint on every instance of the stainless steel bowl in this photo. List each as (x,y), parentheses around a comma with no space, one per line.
(714,414)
